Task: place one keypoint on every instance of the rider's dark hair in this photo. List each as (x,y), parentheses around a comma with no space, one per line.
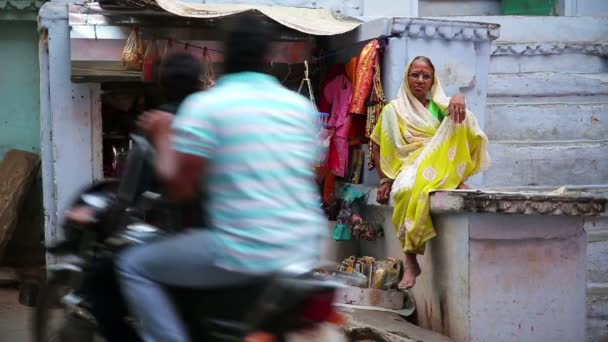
(178,76)
(247,43)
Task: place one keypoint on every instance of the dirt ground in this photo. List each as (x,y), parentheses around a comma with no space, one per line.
(14,317)
(365,325)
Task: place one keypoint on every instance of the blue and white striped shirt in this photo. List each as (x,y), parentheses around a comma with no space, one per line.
(261,141)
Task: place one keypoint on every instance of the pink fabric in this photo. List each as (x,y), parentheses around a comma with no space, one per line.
(332,72)
(339,93)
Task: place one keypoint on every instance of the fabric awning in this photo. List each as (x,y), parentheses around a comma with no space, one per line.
(320,22)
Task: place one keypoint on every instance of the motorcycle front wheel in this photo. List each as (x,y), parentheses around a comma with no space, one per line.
(53,322)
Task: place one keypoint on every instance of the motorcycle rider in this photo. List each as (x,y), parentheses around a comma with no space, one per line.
(251,144)
(177,78)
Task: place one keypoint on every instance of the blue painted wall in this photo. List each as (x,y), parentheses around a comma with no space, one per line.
(19,87)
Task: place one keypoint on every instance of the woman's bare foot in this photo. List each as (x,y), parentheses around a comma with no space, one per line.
(463,186)
(412,271)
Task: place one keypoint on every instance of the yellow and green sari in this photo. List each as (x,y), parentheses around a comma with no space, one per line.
(423,153)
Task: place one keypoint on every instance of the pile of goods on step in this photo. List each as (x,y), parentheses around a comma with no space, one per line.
(367,272)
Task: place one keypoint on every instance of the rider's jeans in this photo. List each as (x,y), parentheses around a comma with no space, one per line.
(186,260)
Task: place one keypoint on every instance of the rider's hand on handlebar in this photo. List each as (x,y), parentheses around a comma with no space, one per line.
(155,123)
(81,215)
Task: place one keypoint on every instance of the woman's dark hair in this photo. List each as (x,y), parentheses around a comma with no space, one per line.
(424,59)
(178,76)
(247,43)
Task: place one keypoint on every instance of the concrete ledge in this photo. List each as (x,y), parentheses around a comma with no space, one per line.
(446,29)
(549,48)
(516,203)
(546,29)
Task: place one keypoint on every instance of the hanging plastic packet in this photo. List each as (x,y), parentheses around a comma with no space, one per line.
(208,76)
(133,52)
(150,59)
(325,137)
(324,134)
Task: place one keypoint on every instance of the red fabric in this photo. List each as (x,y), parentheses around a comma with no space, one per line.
(364,77)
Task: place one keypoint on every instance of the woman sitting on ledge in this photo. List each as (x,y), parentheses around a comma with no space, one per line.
(417,151)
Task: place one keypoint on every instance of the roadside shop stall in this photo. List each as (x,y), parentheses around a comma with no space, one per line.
(97,64)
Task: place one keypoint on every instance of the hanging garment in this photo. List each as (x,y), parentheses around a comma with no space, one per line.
(332,72)
(338,93)
(351,69)
(375,104)
(364,77)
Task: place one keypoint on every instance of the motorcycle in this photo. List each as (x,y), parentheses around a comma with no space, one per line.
(290,305)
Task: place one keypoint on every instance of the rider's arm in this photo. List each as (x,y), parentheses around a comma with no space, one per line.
(181,152)
(181,172)
(184,145)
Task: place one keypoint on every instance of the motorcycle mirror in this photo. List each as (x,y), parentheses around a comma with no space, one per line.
(95,200)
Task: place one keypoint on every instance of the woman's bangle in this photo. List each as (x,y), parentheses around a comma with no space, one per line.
(385,180)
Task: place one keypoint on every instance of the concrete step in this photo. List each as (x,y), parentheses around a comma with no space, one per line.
(547,121)
(367,325)
(578,62)
(597,229)
(597,251)
(547,84)
(597,299)
(548,163)
(597,329)
(597,260)
(545,100)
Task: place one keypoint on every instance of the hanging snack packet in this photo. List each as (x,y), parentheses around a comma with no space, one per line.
(133,52)
(208,76)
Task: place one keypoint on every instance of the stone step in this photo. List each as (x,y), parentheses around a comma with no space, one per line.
(597,329)
(573,62)
(547,84)
(547,100)
(597,229)
(549,163)
(547,121)
(597,260)
(599,190)
(597,291)
(597,251)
